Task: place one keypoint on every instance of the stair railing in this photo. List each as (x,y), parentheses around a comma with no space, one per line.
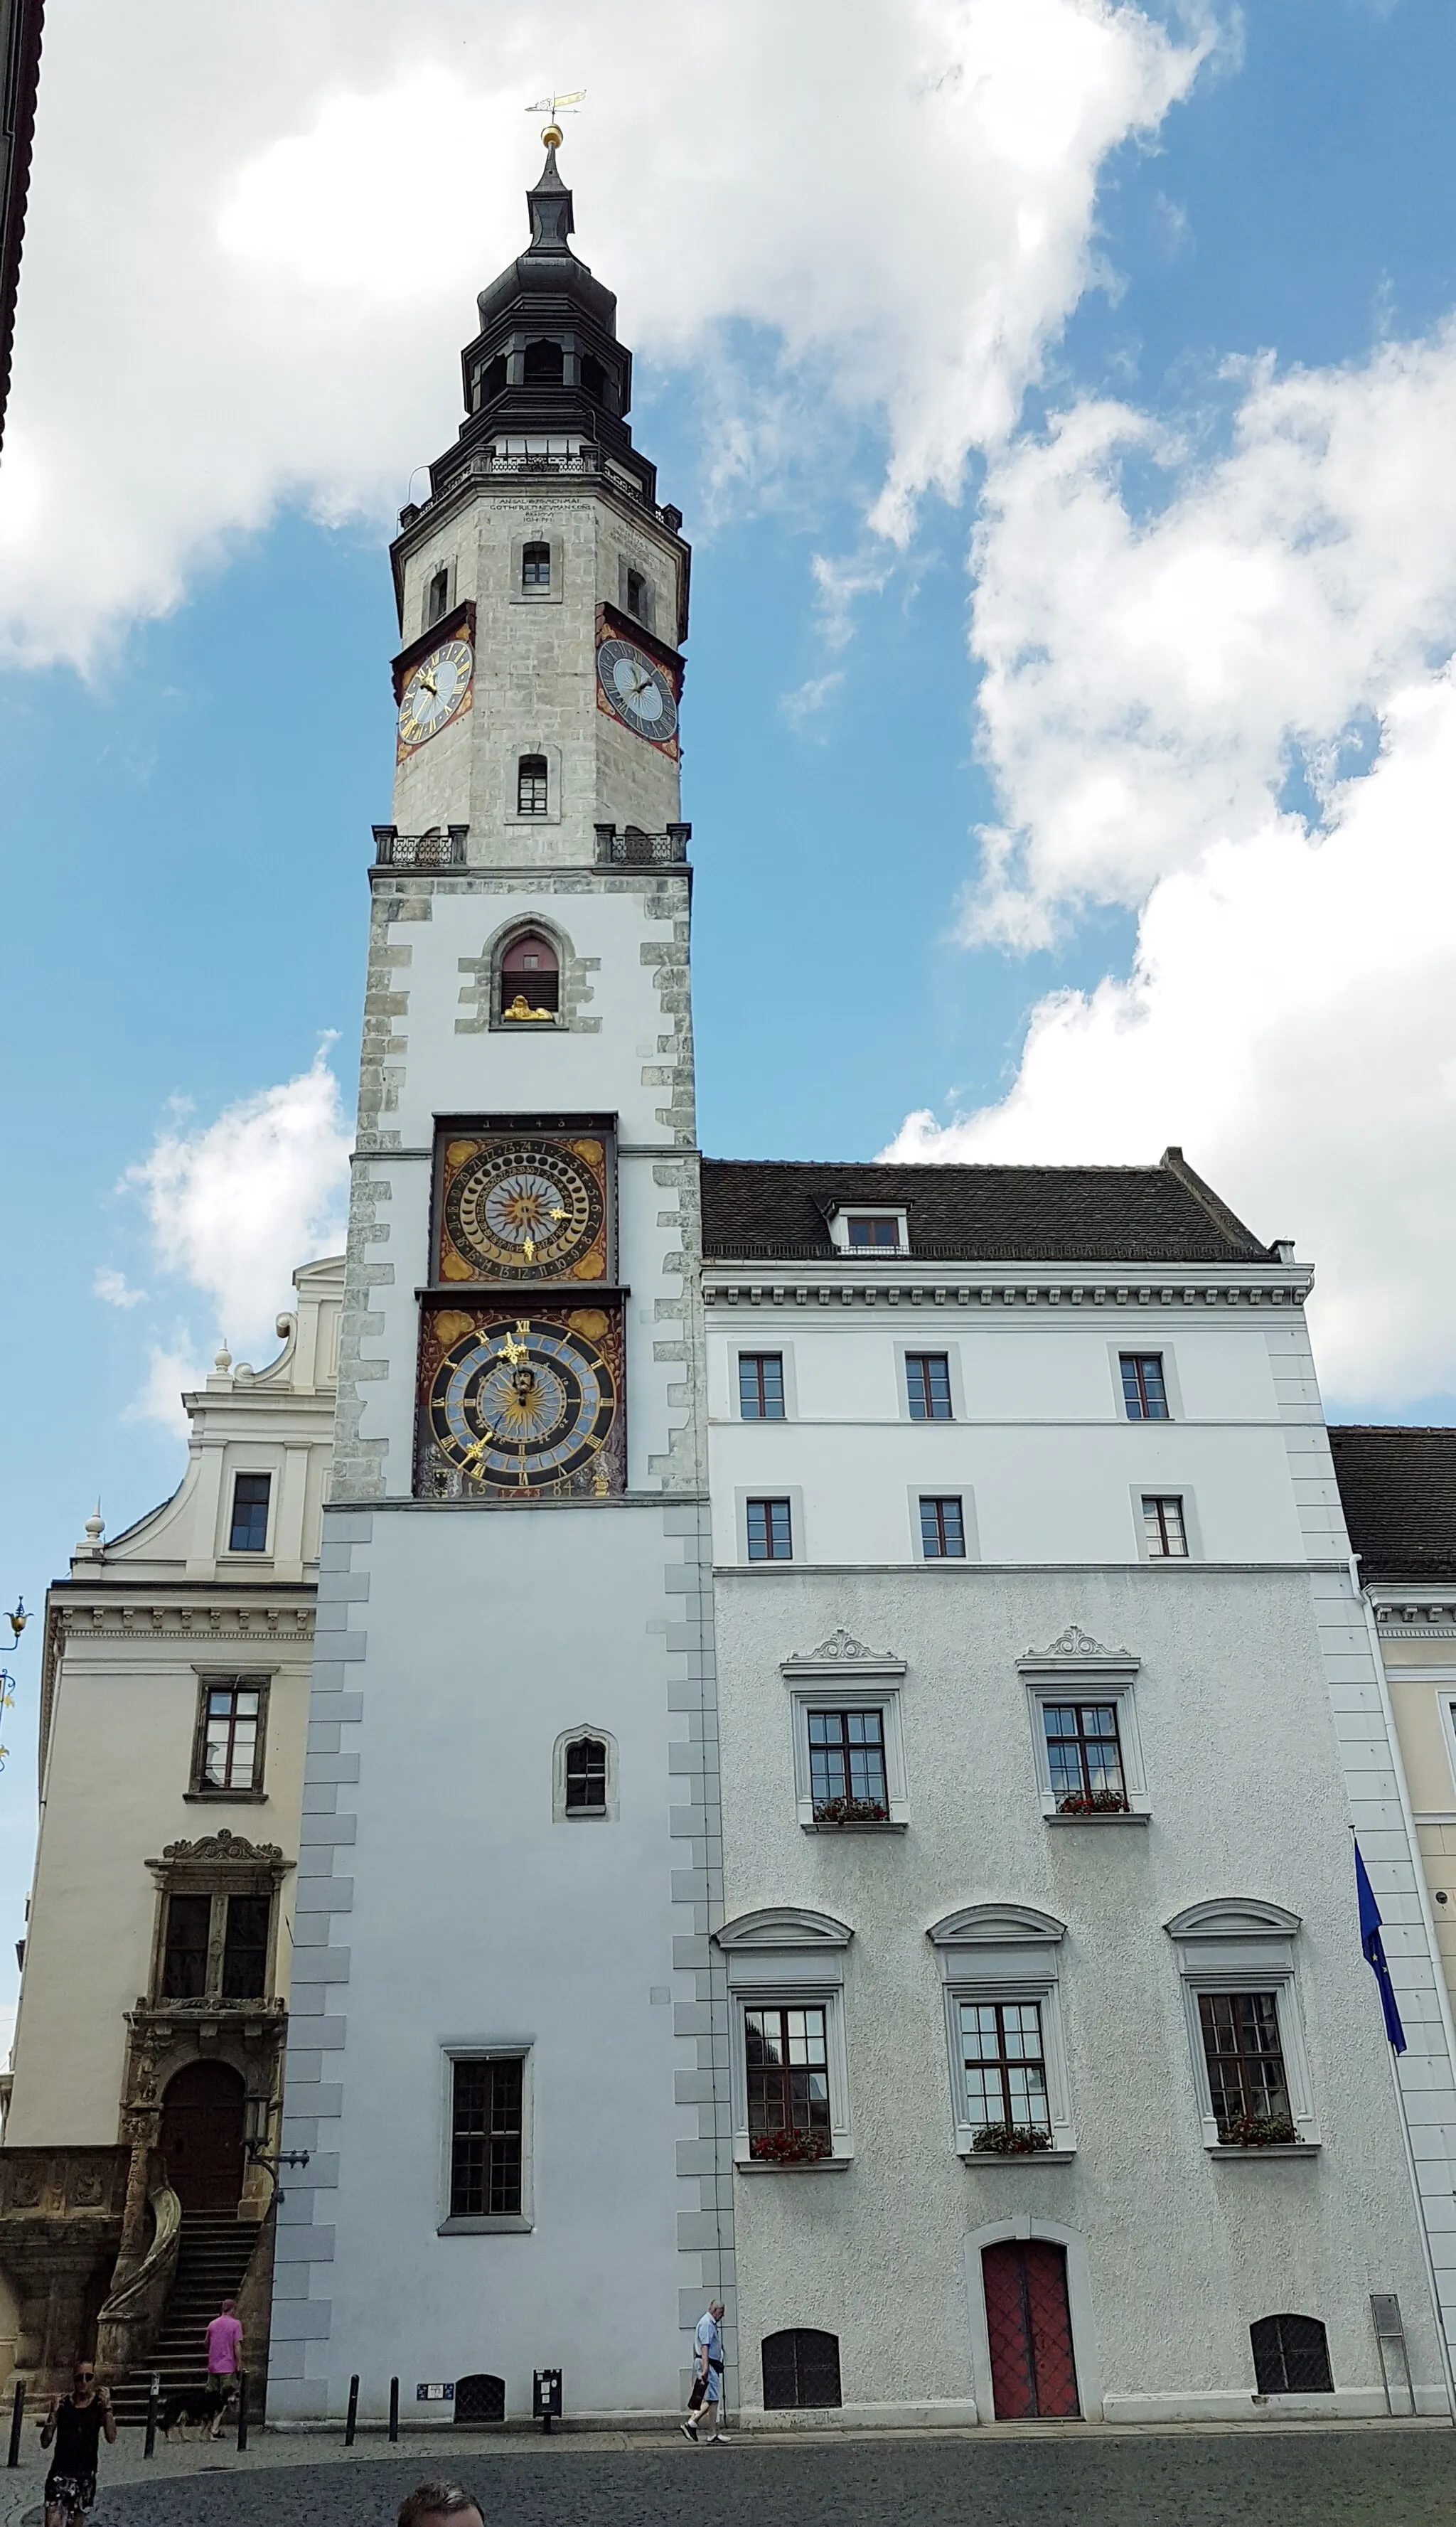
(132,2314)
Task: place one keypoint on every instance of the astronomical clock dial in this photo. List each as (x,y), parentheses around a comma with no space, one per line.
(524,1210)
(637,689)
(524,1406)
(435,691)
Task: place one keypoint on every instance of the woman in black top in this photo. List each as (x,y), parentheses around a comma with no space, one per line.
(75,2423)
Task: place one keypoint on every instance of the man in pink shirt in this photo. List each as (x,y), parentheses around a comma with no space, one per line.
(224,2363)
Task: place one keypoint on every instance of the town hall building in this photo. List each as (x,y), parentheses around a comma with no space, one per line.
(840,1703)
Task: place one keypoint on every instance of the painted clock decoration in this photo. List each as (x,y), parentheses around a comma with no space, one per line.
(520,1407)
(523,1207)
(434,681)
(636,681)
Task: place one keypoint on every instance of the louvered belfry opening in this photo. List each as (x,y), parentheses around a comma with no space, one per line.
(530,977)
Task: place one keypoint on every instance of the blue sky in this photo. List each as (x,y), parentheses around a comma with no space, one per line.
(1219,595)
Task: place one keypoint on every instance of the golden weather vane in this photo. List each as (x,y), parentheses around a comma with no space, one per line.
(553,107)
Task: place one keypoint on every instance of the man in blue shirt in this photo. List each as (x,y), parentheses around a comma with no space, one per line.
(707,2388)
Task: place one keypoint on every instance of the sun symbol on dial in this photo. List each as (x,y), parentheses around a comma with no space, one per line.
(523,1405)
(522,1210)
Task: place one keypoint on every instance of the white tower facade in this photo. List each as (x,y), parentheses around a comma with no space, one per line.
(503,2063)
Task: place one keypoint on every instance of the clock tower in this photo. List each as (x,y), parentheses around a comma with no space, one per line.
(506,2045)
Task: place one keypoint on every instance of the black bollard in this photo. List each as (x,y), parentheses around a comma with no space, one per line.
(16,2420)
(243,2409)
(153,2398)
(394,2408)
(353,2411)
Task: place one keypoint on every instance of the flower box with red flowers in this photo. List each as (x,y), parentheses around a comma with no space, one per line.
(1091,1803)
(1257,2132)
(1009,2140)
(786,2149)
(851,1812)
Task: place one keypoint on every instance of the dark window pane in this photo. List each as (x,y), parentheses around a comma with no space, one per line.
(928,1383)
(544,364)
(486,2141)
(800,2371)
(788,2070)
(847,1758)
(637,595)
(1245,2059)
(250,1532)
(185,1960)
(1143,1392)
(1291,2356)
(586,1775)
(942,1530)
(1003,2068)
(593,377)
(874,1232)
(531,786)
(770,1531)
(246,1947)
(761,1385)
(437,598)
(1085,1753)
(536,566)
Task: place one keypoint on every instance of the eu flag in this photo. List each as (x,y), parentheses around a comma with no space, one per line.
(1371,1943)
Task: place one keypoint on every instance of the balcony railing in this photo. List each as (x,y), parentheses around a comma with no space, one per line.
(444,846)
(588,460)
(631,848)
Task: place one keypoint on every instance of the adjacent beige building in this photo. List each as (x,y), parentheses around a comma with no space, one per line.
(148,2056)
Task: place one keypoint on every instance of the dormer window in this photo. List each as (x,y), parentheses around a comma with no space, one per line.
(531,786)
(529,979)
(859,1232)
(536,566)
(544,364)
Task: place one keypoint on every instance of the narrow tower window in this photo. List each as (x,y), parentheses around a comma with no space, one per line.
(637,595)
(436,596)
(530,978)
(586,1777)
(593,379)
(544,364)
(536,566)
(531,786)
(489,381)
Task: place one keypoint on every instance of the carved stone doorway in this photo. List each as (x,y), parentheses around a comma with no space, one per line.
(202,2136)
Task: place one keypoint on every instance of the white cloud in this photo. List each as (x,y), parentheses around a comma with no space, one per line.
(236,1203)
(806,701)
(255,234)
(113,1288)
(1288,1017)
(170,1373)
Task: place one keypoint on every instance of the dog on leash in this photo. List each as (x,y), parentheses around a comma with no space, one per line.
(201,2406)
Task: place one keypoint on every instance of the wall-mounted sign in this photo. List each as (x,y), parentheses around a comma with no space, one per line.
(441,2392)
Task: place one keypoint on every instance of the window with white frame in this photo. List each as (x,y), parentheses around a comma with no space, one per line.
(1000,1970)
(1084,1735)
(1237,1958)
(849,1758)
(788,2069)
(869,1228)
(584,1774)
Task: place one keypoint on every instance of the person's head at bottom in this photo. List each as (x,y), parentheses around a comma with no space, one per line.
(439,2504)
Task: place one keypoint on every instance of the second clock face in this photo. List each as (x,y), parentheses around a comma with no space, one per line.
(523,1210)
(524,1406)
(637,689)
(435,691)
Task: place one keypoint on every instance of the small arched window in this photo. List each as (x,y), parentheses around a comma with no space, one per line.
(593,379)
(531,786)
(586,1777)
(536,566)
(530,978)
(1291,2356)
(544,364)
(801,2369)
(638,602)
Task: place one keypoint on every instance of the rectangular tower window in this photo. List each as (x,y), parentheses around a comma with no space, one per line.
(770,1531)
(927,1375)
(536,566)
(249,1533)
(486,2140)
(1144,1393)
(438,596)
(942,1528)
(231,1738)
(639,601)
(531,786)
(1163,1524)
(761,1385)
(847,1762)
(246,1947)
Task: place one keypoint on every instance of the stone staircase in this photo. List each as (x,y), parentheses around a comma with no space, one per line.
(213,2254)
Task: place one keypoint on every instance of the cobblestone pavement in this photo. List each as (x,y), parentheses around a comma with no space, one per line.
(1371,2477)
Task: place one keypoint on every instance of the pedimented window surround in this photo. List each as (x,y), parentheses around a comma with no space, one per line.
(843,1674)
(1076,1668)
(791,1956)
(1005,1952)
(1242,1943)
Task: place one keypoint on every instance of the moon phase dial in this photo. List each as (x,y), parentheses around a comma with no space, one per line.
(523,1210)
(515,1407)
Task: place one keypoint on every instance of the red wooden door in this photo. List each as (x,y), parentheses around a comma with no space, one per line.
(1033,2373)
(202,2137)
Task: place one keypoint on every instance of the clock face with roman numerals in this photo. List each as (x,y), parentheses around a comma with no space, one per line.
(526,1403)
(435,691)
(524,1210)
(637,689)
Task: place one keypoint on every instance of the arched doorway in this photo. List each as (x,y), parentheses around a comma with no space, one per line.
(201,2136)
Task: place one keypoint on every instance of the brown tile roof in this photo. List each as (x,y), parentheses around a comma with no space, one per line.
(1164,1215)
(1398,1487)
